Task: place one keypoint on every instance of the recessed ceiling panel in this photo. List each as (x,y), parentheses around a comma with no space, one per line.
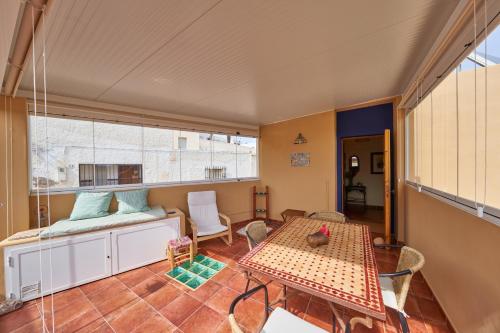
(245,61)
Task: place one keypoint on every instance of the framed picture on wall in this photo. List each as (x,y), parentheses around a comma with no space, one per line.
(377,163)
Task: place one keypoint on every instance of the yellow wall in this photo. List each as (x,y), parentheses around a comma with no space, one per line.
(233,199)
(306,188)
(462,260)
(13,171)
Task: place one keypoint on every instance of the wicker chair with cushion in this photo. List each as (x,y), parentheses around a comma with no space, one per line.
(328,216)
(395,285)
(279,321)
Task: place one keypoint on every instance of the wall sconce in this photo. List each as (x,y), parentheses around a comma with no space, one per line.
(300,139)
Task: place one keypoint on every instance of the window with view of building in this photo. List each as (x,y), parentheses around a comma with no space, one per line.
(452,133)
(86,154)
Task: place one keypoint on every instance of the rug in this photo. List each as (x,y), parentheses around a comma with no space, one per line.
(242,232)
(196,274)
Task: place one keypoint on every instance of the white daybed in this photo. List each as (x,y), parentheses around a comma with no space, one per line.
(77,252)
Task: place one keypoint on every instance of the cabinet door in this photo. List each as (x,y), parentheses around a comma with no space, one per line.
(53,265)
(142,244)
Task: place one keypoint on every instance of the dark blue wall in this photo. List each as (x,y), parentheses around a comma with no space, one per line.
(372,120)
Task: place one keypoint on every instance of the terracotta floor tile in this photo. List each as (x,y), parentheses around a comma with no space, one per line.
(297,304)
(222,299)
(160,267)
(421,290)
(431,311)
(411,307)
(237,282)
(104,328)
(224,275)
(119,300)
(86,322)
(180,309)
(205,291)
(112,288)
(134,316)
(156,324)
(149,286)
(416,325)
(274,291)
(392,324)
(134,277)
(18,318)
(61,299)
(250,314)
(438,328)
(229,261)
(320,315)
(224,327)
(211,320)
(32,326)
(163,296)
(96,286)
(67,314)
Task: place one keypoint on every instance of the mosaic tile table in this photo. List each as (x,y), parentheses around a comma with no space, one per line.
(342,272)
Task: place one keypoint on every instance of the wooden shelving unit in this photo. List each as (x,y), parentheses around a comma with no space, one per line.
(258,211)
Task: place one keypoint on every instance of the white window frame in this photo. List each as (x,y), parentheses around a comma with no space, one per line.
(56,190)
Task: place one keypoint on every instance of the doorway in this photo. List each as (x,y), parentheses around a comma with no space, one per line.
(363,181)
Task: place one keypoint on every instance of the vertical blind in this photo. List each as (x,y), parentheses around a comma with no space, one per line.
(453,132)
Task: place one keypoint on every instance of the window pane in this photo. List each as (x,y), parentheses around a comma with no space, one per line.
(196,159)
(118,154)
(424,134)
(412,146)
(161,155)
(444,135)
(69,145)
(247,157)
(223,157)
(467,134)
(493,122)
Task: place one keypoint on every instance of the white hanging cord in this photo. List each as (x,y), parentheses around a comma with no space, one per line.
(47,167)
(485,101)
(11,170)
(7,181)
(457,128)
(37,164)
(475,107)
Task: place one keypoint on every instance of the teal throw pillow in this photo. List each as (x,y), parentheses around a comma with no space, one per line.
(91,204)
(132,201)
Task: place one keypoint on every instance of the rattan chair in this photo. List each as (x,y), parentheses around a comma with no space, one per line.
(279,321)
(329,216)
(256,232)
(395,285)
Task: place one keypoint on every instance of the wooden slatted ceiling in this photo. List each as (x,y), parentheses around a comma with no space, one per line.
(252,62)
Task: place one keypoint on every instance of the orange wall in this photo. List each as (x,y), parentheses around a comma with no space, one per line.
(306,188)
(13,188)
(462,255)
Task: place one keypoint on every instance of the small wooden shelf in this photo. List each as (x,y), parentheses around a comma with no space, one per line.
(263,210)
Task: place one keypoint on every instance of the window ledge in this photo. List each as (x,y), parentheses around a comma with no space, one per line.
(56,191)
(486,217)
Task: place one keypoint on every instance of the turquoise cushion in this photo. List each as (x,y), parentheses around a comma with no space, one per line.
(132,201)
(91,204)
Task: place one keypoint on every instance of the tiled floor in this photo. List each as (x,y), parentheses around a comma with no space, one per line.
(144,300)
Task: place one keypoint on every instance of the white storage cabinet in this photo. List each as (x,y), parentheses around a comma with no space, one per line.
(37,268)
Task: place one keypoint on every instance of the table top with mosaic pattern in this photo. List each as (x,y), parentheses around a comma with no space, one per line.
(343,272)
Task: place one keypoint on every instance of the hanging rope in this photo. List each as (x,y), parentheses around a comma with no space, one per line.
(485,101)
(475,107)
(47,167)
(7,179)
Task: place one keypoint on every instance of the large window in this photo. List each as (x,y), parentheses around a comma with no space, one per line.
(86,154)
(453,136)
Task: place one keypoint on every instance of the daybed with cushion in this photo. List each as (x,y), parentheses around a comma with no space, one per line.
(86,250)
